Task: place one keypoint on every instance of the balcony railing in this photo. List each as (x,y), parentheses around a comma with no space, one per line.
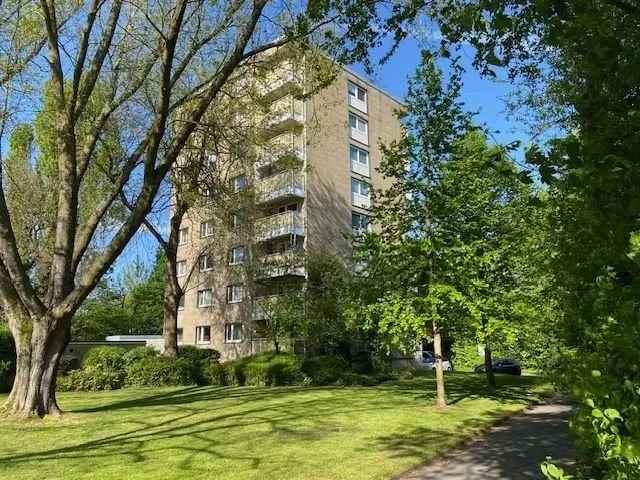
(360,168)
(286,144)
(280,186)
(285,78)
(359,200)
(282,224)
(284,114)
(290,263)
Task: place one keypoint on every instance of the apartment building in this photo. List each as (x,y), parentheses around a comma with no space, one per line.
(314,201)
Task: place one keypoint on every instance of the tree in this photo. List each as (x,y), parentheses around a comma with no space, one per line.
(145,66)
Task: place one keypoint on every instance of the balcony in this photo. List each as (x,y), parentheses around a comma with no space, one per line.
(360,168)
(289,184)
(284,115)
(361,201)
(359,135)
(283,79)
(289,145)
(285,264)
(280,225)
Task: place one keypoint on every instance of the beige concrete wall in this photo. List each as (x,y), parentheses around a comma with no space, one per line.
(327,208)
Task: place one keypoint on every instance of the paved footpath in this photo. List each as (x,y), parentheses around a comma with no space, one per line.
(511,450)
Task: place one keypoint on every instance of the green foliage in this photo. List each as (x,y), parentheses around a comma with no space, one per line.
(197,355)
(133,308)
(136,354)
(465,355)
(7,370)
(325,369)
(92,378)
(264,369)
(161,371)
(105,357)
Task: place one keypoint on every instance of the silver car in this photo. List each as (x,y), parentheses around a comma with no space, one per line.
(429,361)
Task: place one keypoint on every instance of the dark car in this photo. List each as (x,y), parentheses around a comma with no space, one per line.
(503,365)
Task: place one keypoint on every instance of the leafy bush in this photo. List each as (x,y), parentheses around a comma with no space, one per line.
(7,359)
(214,374)
(136,354)
(325,369)
(272,369)
(105,357)
(161,371)
(264,369)
(6,375)
(199,354)
(465,355)
(91,378)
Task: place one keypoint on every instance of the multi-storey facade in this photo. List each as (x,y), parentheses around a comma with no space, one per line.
(311,189)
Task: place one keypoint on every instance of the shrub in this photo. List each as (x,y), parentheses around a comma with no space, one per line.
(7,359)
(136,354)
(6,375)
(272,369)
(214,374)
(161,371)
(325,369)
(199,354)
(105,357)
(91,378)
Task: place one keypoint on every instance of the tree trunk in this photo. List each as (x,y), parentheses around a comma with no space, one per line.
(172,294)
(488,366)
(39,348)
(441,398)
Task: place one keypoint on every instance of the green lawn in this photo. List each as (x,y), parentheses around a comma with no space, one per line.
(254,433)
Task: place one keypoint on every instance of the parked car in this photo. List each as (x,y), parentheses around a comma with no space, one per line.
(429,361)
(503,365)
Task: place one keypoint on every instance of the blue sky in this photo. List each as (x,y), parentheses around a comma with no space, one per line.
(482,95)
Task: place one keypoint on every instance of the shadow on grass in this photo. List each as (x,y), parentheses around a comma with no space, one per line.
(294,413)
(512,450)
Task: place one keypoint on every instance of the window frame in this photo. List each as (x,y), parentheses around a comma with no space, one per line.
(207,262)
(361,104)
(359,154)
(230,295)
(232,259)
(183,239)
(202,328)
(230,329)
(210,290)
(209,232)
(181,263)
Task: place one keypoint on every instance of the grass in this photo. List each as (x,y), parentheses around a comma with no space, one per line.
(255,433)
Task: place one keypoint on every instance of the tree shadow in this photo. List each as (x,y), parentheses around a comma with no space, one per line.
(512,449)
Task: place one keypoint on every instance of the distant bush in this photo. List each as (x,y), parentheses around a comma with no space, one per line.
(105,357)
(136,354)
(161,371)
(91,378)
(6,375)
(7,359)
(325,369)
(264,369)
(199,354)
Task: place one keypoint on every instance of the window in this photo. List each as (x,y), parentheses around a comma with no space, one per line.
(206,229)
(360,223)
(179,335)
(181,303)
(235,293)
(239,183)
(205,298)
(181,268)
(203,334)
(360,193)
(238,219)
(205,263)
(357,97)
(359,160)
(232,332)
(358,128)
(183,236)
(237,255)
